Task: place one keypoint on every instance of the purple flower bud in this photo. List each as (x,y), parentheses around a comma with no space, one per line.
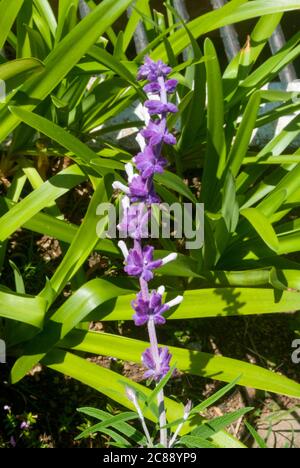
(140,262)
(152,88)
(156,132)
(148,164)
(142,190)
(135,221)
(152,70)
(151,308)
(171,85)
(24,425)
(156,370)
(157,107)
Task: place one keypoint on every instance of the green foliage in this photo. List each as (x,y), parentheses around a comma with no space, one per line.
(54,110)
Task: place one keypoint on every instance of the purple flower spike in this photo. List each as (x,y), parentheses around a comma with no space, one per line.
(140,262)
(156,133)
(157,107)
(151,308)
(148,164)
(152,70)
(140,193)
(156,370)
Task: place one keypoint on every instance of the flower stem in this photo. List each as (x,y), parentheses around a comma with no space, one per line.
(160,396)
(162,419)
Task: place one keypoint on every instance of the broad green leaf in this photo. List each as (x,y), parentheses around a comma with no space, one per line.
(24,21)
(70,314)
(85,239)
(48,225)
(54,188)
(64,138)
(62,59)
(285,279)
(239,68)
(243,136)
(233,12)
(22,308)
(187,360)
(268,70)
(96,377)
(22,67)
(284,190)
(19,282)
(213,302)
(215,157)
(46,11)
(262,226)
(8,12)
(174,182)
(134,19)
(67,17)
(115,65)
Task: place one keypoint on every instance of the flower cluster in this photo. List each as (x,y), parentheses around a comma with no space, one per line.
(139,195)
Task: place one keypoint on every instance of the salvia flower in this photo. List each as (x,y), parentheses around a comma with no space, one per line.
(152,70)
(140,263)
(149,164)
(157,133)
(157,368)
(148,306)
(157,107)
(153,307)
(135,220)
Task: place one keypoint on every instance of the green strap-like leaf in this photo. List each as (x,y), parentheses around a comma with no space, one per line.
(262,226)
(63,58)
(233,12)
(26,309)
(64,138)
(187,360)
(113,385)
(19,67)
(70,314)
(37,200)
(8,12)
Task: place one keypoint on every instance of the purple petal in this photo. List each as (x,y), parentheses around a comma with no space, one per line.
(159,320)
(171,85)
(148,253)
(169,139)
(155,264)
(139,320)
(155,107)
(152,88)
(172,108)
(147,275)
